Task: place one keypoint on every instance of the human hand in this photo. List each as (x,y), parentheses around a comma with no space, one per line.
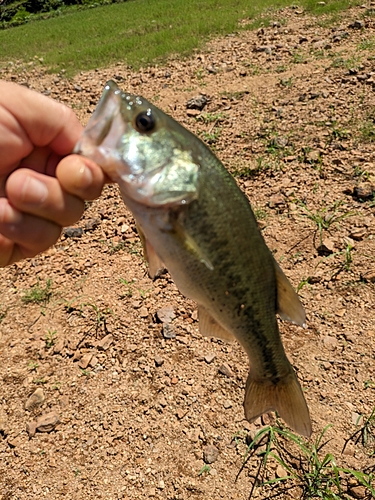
(41,188)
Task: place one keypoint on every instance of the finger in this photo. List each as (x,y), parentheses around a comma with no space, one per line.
(23,235)
(41,120)
(42,196)
(81,177)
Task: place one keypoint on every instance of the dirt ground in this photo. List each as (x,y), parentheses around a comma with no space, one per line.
(99,398)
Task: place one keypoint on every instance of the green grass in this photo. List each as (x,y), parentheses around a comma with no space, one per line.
(38,294)
(137,32)
(310,472)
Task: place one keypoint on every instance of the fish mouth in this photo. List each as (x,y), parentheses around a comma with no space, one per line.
(104,130)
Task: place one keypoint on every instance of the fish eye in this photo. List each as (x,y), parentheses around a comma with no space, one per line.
(145,122)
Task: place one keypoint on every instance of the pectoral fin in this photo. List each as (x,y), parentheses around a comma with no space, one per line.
(209,327)
(155,264)
(289,306)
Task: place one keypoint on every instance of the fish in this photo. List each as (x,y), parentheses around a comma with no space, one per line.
(194,220)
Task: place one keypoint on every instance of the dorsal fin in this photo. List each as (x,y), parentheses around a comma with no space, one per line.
(289,306)
(209,327)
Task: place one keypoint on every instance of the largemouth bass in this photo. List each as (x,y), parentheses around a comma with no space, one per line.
(194,219)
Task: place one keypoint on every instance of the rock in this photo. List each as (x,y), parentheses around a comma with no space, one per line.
(168,331)
(227,404)
(72,232)
(35,400)
(59,346)
(193,113)
(358,492)
(358,233)
(92,224)
(326,247)
(105,343)
(209,357)
(225,370)
(158,361)
(85,361)
(198,102)
(143,312)
(47,422)
(357,419)
(330,342)
(31,428)
(165,314)
(210,454)
(276,200)
(363,191)
(14,441)
(368,276)
(357,25)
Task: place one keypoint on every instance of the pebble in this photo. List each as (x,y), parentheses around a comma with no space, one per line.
(85,361)
(198,102)
(165,314)
(226,370)
(158,361)
(73,232)
(168,331)
(368,276)
(47,422)
(358,492)
(36,399)
(327,247)
(330,342)
(227,404)
(210,454)
(209,357)
(105,342)
(363,191)
(143,312)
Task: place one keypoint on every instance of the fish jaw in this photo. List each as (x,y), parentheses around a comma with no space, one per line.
(155,168)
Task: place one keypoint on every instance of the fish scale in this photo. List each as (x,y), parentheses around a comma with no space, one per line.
(194,219)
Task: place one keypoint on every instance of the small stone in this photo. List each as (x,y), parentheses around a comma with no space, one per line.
(85,361)
(73,232)
(194,315)
(280,471)
(92,224)
(358,492)
(59,346)
(14,442)
(158,361)
(168,331)
(209,357)
(193,113)
(357,25)
(31,428)
(326,247)
(165,314)
(227,404)
(225,370)
(357,419)
(143,312)
(105,343)
(94,361)
(210,454)
(358,234)
(363,191)
(368,276)
(161,485)
(47,422)
(330,342)
(276,200)
(198,102)
(35,400)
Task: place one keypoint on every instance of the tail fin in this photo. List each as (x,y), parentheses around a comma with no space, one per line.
(286,397)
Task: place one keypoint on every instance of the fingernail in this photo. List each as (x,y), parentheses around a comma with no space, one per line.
(34,191)
(85,177)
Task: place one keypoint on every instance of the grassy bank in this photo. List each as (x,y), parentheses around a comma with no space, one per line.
(136,32)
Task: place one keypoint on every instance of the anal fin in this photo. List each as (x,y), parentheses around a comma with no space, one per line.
(209,327)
